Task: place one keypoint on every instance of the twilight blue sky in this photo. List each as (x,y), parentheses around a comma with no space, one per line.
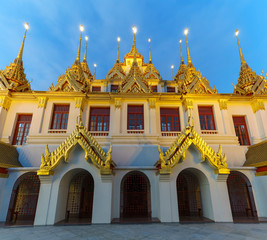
(52,40)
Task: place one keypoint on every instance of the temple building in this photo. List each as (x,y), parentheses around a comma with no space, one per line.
(132,147)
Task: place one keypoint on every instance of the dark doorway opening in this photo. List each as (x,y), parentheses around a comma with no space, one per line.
(189,198)
(80,199)
(241,198)
(135,198)
(23,201)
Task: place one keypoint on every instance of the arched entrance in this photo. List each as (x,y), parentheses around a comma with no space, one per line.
(189,198)
(23,201)
(80,198)
(135,196)
(241,198)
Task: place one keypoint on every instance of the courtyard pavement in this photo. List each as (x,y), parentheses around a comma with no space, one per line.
(216,231)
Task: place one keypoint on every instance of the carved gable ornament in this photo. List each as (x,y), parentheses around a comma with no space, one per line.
(92,150)
(176,153)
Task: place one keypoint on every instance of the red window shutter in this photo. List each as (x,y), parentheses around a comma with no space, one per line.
(206,118)
(241,130)
(170,119)
(60,116)
(170,89)
(154,88)
(96,89)
(99,119)
(114,88)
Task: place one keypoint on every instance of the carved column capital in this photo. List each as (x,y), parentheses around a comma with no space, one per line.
(42,102)
(188,104)
(5,102)
(117,102)
(152,102)
(79,102)
(257,105)
(223,104)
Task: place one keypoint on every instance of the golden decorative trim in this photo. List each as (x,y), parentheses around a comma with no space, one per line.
(42,102)
(118,102)
(257,105)
(152,102)
(92,150)
(223,104)
(176,152)
(5,102)
(257,174)
(4,175)
(79,103)
(188,104)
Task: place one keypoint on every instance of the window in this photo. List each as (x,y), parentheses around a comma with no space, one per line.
(135,117)
(154,88)
(99,119)
(114,88)
(241,130)
(96,89)
(206,118)
(22,129)
(170,89)
(170,119)
(60,117)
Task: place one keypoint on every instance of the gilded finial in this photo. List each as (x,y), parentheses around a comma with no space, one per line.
(78,58)
(26,26)
(134,32)
(134,46)
(240,51)
(187,48)
(150,60)
(118,53)
(181,54)
(85,52)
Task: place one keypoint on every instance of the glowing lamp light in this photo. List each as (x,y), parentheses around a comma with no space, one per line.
(186,31)
(118,39)
(236,32)
(86,38)
(95,65)
(81,28)
(26,25)
(172,66)
(180,40)
(134,29)
(149,40)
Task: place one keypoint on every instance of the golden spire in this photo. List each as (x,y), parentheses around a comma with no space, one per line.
(78,58)
(134,46)
(150,60)
(187,48)
(240,51)
(182,60)
(26,25)
(118,53)
(85,53)
(134,32)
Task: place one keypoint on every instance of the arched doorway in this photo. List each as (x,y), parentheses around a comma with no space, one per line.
(135,196)
(189,197)
(241,198)
(80,198)
(23,201)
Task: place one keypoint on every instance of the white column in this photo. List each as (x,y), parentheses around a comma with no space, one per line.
(221,202)
(3,114)
(261,118)
(102,200)
(165,198)
(41,215)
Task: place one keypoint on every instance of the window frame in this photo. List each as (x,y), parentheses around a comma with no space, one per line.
(103,115)
(115,87)
(24,136)
(53,124)
(173,90)
(135,119)
(96,88)
(172,115)
(211,113)
(244,123)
